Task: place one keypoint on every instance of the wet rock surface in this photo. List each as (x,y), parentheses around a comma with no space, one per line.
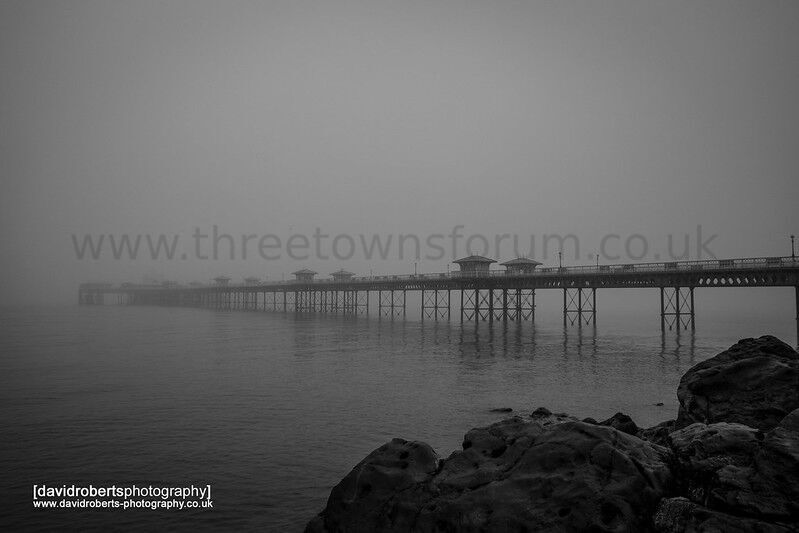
(552,472)
(515,475)
(754,382)
(381,492)
(621,422)
(658,434)
(680,515)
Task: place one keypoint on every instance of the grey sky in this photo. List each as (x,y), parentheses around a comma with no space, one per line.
(390,117)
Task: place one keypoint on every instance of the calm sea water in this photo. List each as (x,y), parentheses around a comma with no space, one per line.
(272,410)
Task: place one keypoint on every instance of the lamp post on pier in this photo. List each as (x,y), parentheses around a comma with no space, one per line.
(793,251)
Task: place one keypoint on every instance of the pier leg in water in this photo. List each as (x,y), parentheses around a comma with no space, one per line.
(677,308)
(579,308)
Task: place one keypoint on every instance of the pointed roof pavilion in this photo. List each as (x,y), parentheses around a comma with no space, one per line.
(342,275)
(475,259)
(474,263)
(304,274)
(520,265)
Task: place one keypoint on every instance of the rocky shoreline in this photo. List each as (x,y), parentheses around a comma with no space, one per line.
(729,462)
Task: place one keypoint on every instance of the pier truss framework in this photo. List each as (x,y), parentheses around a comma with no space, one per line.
(493,296)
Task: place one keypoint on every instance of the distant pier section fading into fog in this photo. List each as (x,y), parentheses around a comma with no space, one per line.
(484,294)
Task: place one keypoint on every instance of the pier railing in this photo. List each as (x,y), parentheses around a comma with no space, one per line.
(742,264)
(487,295)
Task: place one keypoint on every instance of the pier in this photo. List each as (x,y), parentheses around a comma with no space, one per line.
(475,293)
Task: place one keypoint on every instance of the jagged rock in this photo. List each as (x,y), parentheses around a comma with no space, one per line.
(571,475)
(680,515)
(769,488)
(658,434)
(546,418)
(392,473)
(516,475)
(739,470)
(755,382)
(700,451)
(621,422)
(486,453)
(730,462)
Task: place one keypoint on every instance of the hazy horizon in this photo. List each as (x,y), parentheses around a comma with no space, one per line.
(387,118)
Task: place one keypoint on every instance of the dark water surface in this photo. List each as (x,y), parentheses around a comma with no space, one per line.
(272,410)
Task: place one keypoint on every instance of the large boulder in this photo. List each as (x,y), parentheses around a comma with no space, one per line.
(769,487)
(730,462)
(516,475)
(658,434)
(740,471)
(755,382)
(381,491)
(623,423)
(701,451)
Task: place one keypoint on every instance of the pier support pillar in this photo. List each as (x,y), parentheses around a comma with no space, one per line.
(478,305)
(434,305)
(519,305)
(677,308)
(525,304)
(579,306)
(391,304)
(499,304)
(449,305)
(360,302)
(471,308)
(290,301)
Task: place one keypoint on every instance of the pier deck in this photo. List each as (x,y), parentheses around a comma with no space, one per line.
(491,295)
